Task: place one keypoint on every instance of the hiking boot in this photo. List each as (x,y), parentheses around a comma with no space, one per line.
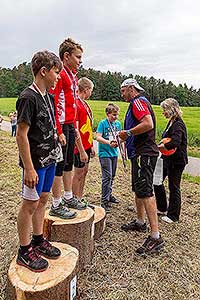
(151,246)
(62,211)
(106,206)
(46,249)
(74,203)
(32,260)
(113,200)
(134,226)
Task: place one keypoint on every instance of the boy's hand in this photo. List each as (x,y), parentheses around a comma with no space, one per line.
(30,178)
(113,144)
(62,139)
(92,154)
(83,157)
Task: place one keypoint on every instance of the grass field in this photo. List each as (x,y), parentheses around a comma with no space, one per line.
(116,272)
(190,115)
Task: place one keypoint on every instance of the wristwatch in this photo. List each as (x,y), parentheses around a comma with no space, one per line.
(128,132)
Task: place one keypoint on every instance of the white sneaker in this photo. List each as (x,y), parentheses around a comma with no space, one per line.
(167,220)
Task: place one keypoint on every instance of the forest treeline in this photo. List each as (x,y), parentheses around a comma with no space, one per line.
(106,85)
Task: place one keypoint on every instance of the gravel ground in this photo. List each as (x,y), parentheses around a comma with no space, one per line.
(116,272)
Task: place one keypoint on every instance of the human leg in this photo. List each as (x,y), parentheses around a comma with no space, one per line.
(106,170)
(174,180)
(160,193)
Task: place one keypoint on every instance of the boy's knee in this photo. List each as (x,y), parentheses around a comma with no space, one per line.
(29,206)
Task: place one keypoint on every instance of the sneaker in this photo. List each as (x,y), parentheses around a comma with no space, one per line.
(106,206)
(151,246)
(167,219)
(113,200)
(161,213)
(134,226)
(32,260)
(46,249)
(74,203)
(62,211)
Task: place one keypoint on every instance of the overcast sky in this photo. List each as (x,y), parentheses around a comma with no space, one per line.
(146,37)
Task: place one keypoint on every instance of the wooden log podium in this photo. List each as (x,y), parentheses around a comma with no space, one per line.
(77,232)
(99,221)
(58,282)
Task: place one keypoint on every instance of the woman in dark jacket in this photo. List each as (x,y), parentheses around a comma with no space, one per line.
(173,165)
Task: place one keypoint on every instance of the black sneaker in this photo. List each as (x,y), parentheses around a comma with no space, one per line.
(151,246)
(113,200)
(32,260)
(74,203)
(134,226)
(62,211)
(46,249)
(106,206)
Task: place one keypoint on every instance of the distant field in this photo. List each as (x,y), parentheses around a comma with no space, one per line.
(191,116)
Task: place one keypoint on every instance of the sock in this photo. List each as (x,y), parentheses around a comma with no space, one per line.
(37,239)
(24,249)
(155,235)
(56,202)
(68,195)
(140,221)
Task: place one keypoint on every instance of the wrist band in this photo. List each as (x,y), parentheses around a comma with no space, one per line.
(128,132)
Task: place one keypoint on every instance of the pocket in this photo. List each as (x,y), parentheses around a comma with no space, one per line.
(141,187)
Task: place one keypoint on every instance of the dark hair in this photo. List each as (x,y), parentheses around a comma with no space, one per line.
(45,59)
(68,45)
(112,108)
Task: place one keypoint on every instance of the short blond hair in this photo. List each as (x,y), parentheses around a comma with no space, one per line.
(85,83)
(112,108)
(69,46)
(171,105)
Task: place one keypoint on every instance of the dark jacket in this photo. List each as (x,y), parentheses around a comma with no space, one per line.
(178,133)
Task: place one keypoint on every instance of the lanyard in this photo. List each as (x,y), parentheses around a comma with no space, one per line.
(113,129)
(48,106)
(72,79)
(87,108)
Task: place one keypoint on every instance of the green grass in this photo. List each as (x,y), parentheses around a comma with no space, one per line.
(7,105)
(190,116)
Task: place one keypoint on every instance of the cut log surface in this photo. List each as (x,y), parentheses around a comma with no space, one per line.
(99,221)
(58,282)
(77,232)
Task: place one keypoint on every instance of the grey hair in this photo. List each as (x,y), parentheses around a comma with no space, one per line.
(171,105)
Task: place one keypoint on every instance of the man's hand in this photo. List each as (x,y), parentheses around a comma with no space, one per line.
(62,139)
(83,157)
(123,135)
(30,178)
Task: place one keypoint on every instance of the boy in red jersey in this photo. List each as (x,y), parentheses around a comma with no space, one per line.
(65,95)
(84,125)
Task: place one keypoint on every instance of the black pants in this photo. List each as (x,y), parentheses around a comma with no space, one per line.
(174,173)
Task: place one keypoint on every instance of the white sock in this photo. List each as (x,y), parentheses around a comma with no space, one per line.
(56,201)
(140,221)
(68,195)
(155,235)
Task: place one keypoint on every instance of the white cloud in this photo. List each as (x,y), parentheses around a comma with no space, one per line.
(145,37)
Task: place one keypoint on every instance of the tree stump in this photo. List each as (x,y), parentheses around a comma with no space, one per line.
(58,282)
(99,221)
(77,232)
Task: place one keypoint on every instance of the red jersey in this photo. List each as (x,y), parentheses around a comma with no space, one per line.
(84,119)
(65,96)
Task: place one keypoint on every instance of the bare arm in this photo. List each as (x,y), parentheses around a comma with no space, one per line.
(100,139)
(79,145)
(30,175)
(146,124)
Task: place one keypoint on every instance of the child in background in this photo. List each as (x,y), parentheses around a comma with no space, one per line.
(37,143)
(84,125)
(108,152)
